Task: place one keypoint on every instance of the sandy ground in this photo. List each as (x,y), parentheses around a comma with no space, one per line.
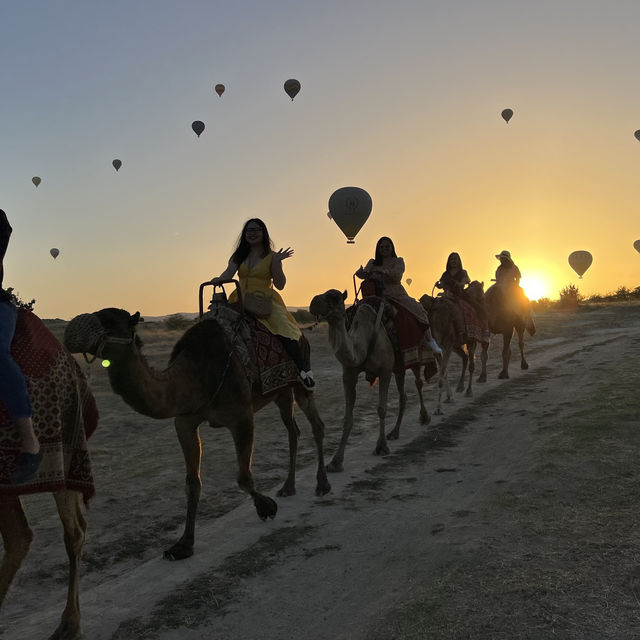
(514,515)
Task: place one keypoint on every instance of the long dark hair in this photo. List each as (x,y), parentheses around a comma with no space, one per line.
(378,258)
(451,257)
(242,248)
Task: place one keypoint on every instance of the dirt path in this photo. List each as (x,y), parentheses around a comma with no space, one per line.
(448,537)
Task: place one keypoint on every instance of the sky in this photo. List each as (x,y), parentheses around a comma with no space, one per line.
(401,98)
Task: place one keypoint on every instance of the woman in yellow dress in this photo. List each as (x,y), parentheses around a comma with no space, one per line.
(259,269)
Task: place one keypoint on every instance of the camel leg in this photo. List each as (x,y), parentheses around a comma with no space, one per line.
(284,401)
(506,354)
(471,349)
(243,440)
(382,448)
(465,360)
(189,437)
(71,511)
(17,537)
(349,380)
(394,434)
(307,403)
(443,382)
(523,363)
(424,414)
(483,360)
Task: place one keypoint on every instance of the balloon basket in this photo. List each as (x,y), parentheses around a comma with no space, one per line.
(351,241)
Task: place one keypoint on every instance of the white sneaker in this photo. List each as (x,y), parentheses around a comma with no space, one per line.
(434,347)
(306,377)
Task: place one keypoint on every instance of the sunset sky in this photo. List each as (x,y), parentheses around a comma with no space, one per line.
(401,98)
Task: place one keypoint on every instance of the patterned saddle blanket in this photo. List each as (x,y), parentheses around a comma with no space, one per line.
(262,353)
(64,415)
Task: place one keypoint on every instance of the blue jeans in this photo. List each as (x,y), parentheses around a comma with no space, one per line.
(13,386)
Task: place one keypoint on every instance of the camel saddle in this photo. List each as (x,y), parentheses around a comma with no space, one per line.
(265,361)
(65,415)
(404,331)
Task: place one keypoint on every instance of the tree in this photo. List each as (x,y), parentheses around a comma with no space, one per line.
(21,304)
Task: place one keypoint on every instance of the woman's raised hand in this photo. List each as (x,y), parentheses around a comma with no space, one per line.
(281,254)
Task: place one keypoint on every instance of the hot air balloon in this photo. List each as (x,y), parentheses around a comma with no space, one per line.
(637,135)
(409,281)
(117,164)
(219,89)
(636,245)
(507,114)
(350,207)
(54,252)
(36,180)
(292,87)
(198,127)
(580,261)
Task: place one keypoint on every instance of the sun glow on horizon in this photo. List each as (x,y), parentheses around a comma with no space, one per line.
(536,287)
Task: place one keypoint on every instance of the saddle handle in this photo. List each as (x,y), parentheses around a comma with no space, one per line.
(216,286)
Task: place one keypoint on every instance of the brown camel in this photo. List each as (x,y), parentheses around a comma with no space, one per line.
(443,328)
(58,389)
(505,320)
(365,347)
(204,381)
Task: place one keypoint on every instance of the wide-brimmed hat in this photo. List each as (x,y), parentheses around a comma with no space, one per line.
(503,254)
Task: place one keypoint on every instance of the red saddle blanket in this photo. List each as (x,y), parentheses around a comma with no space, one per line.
(64,415)
(472,324)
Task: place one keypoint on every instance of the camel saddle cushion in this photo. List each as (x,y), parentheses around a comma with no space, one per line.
(262,353)
(64,415)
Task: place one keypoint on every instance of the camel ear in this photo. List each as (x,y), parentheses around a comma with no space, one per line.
(135,318)
(344,294)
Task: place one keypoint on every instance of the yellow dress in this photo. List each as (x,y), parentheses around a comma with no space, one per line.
(258,278)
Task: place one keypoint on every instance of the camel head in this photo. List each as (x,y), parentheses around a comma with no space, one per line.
(329,305)
(427,302)
(92,332)
(475,290)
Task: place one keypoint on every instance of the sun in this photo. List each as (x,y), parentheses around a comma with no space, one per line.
(535,287)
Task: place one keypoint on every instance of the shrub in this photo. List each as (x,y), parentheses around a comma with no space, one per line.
(177,322)
(15,298)
(570,297)
(302,315)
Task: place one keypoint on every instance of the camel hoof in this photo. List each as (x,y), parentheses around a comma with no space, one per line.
(503,375)
(438,412)
(460,388)
(393,435)
(335,467)
(482,377)
(286,490)
(524,365)
(425,418)
(67,630)
(381,451)
(469,393)
(323,487)
(179,551)
(265,506)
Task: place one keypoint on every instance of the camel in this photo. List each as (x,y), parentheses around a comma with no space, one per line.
(74,403)
(504,320)
(204,382)
(365,347)
(444,331)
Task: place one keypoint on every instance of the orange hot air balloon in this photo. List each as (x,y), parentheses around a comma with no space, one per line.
(219,89)
(117,164)
(198,127)
(637,135)
(350,207)
(292,87)
(636,245)
(507,114)
(54,252)
(36,180)
(580,261)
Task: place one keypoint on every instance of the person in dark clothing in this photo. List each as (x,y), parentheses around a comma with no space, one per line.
(13,388)
(453,282)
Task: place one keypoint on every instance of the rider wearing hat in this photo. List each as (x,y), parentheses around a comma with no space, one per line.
(508,275)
